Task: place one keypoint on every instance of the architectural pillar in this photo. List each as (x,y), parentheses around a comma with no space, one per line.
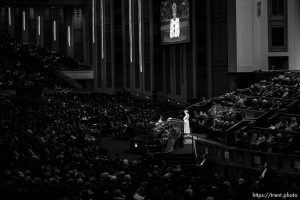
(208,48)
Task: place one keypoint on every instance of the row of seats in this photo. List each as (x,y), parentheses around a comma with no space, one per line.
(28,65)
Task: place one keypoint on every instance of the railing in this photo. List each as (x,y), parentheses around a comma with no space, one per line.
(195,149)
(236,162)
(67,79)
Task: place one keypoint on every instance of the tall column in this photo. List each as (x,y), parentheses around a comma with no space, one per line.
(124,42)
(95,40)
(103,44)
(208,49)
(131,38)
(112,49)
(87,23)
(151,44)
(194,48)
(173,69)
(183,69)
(141,42)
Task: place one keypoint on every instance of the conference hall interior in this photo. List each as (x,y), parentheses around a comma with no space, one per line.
(149,99)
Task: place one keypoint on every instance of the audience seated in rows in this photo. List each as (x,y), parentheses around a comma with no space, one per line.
(286,124)
(23,64)
(263,141)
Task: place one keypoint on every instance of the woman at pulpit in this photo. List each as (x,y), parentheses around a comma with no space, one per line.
(160,120)
(186,128)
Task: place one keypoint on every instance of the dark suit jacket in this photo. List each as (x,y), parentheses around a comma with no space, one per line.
(269,175)
(204,170)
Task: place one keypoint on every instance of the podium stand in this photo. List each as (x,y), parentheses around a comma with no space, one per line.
(178,123)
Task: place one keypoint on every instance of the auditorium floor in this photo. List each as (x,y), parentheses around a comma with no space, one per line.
(120,148)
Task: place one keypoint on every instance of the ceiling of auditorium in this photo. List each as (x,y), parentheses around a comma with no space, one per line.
(42,2)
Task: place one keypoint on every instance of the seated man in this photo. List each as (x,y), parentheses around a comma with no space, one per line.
(266,175)
(243,141)
(171,139)
(203,167)
(259,143)
(290,144)
(279,143)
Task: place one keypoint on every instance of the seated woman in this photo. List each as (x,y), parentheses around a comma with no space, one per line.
(270,142)
(293,125)
(254,137)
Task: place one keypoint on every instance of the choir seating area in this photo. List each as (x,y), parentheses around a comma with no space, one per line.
(251,126)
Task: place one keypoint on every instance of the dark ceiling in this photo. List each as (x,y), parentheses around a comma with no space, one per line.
(24,3)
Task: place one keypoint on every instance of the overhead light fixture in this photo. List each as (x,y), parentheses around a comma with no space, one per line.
(9,16)
(39,25)
(54,30)
(93,20)
(69,36)
(24,20)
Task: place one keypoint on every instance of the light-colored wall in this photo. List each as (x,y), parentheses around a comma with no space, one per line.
(252,36)
(294,34)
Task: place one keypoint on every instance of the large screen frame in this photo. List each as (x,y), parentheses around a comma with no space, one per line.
(182,9)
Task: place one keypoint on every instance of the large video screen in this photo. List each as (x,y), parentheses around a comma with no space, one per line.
(175,21)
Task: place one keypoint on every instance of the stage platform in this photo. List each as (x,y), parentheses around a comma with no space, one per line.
(120,148)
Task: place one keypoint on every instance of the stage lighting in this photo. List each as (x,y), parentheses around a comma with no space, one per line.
(9,16)
(54,30)
(24,22)
(69,36)
(39,25)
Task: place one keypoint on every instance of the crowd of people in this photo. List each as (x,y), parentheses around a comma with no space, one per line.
(284,86)
(237,100)
(50,149)
(266,141)
(26,65)
(276,96)
(287,124)
(50,145)
(217,117)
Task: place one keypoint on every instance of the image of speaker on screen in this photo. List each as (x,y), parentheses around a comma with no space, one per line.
(174,23)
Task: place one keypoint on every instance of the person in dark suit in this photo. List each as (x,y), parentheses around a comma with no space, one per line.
(266,175)
(203,167)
